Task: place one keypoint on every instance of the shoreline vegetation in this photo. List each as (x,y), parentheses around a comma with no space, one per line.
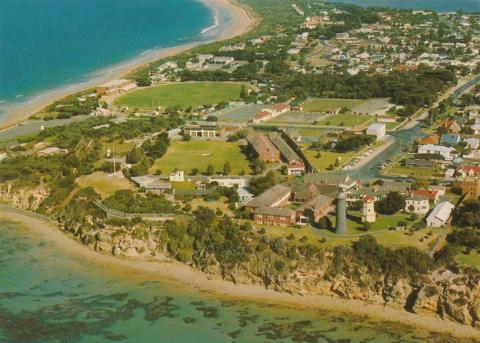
(176,273)
(242,20)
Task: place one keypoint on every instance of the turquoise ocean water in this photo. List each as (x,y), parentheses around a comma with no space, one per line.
(45,44)
(48,294)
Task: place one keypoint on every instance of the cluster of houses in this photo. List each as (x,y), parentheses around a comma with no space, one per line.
(395,42)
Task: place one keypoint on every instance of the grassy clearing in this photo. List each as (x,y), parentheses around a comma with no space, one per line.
(347,120)
(393,239)
(214,205)
(193,94)
(183,186)
(326,104)
(199,154)
(327,158)
(472,259)
(104,184)
(423,172)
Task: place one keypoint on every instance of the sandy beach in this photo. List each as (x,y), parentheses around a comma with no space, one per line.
(180,275)
(241,20)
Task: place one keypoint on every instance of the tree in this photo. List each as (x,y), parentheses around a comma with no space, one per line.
(393,203)
(226,168)
(210,170)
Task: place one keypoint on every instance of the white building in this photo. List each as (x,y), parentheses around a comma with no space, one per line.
(417,204)
(377,129)
(244,196)
(440,214)
(177,176)
(229,182)
(444,151)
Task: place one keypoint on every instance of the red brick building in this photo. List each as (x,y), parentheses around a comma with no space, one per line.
(274,216)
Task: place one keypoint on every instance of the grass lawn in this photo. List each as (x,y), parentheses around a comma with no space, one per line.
(393,239)
(382,222)
(422,172)
(103,183)
(347,120)
(472,259)
(326,104)
(120,148)
(183,186)
(193,94)
(327,158)
(214,205)
(199,154)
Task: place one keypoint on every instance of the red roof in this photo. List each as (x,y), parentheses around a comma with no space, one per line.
(432,139)
(281,107)
(429,194)
(262,114)
(468,169)
(368,198)
(296,164)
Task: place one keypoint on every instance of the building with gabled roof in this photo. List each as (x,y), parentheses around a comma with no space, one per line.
(273,197)
(440,214)
(264,149)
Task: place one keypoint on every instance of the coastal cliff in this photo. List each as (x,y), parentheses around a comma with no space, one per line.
(403,279)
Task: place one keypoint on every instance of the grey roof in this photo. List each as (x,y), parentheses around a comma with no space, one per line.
(275,211)
(320,201)
(151,182)
(269,197)
(327,178)
(284,148)
(262,145)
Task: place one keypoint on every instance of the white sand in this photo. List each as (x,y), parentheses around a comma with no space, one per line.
(241,21)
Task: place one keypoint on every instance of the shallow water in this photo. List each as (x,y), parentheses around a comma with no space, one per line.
(50,295)
(49,43)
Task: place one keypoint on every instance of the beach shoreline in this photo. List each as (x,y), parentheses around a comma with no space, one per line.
(177,274)
(241,20)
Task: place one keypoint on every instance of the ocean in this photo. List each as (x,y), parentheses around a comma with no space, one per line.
(435,5)
(45,44)
(48,294)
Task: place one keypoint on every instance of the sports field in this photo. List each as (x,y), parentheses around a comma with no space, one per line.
(199,154)
(326,104)
(186,94)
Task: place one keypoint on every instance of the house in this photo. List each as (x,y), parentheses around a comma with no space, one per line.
(445,152)
(263,148)
(469,171)
(377,129)
(115,87)
(244,195)
(270,113)
(152,183)
(431,139)
(440,214)
(229,182)
(333,179)
(437,188)
(274,216)
(450,126)
(273,197)
(177,176)
(316,208)
(204,130)
(473,143)
(475,128)
(431,195)
(417,204)
(449,139)
(295,167)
